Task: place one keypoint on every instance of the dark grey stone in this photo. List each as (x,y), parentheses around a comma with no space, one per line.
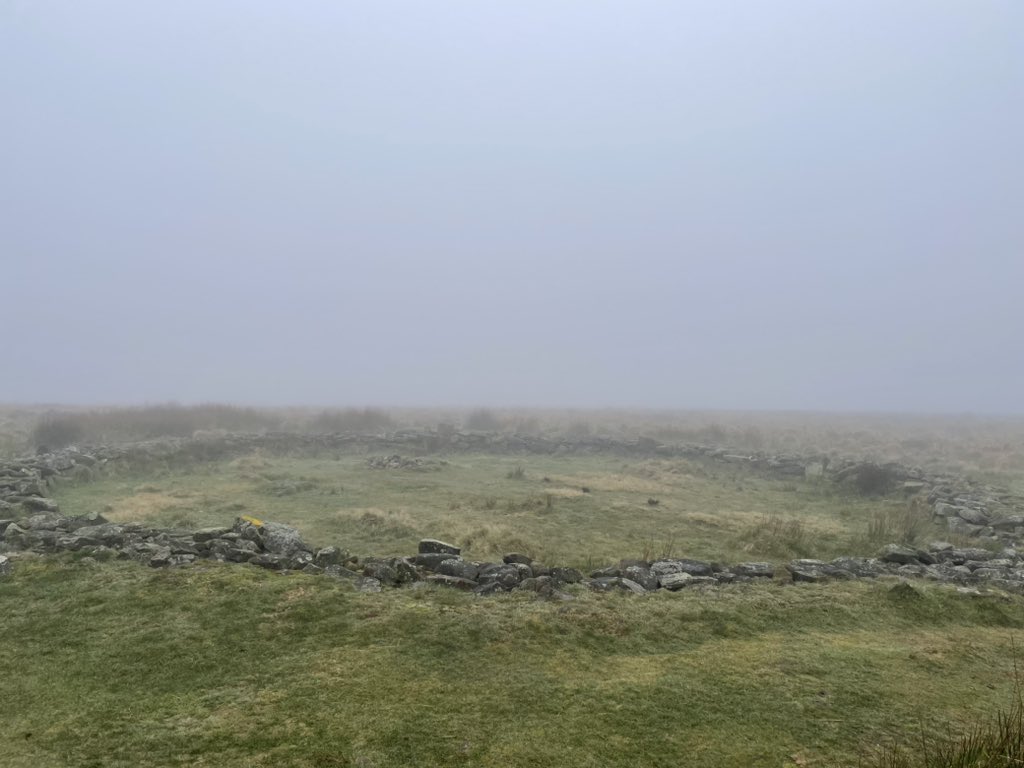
(433,546)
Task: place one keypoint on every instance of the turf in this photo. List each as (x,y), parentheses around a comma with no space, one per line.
(112,664)
(482,502)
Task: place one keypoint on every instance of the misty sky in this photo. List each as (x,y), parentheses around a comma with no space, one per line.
(794,205)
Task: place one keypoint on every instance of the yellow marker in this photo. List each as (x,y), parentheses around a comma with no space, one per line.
(252,520)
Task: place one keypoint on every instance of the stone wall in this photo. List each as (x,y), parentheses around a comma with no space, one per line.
(31,522)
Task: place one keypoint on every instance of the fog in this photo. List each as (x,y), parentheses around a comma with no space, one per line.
(786,205)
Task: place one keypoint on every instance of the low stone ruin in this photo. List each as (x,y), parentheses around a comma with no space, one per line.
(31,521)
(281,547)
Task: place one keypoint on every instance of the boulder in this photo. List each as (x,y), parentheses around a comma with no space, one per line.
(674,581)
(692,567)
(270,560)
(973,516)
(40,504)
(460,568)
(161,558)
(280,539)
(897,553)
(330,556)
(47,521)
(433,546)
(505,576)
(641,575)
(431,560)
(515,557)
(755,570)
(5,566)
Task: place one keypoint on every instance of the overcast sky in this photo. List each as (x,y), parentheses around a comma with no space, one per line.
(764,205)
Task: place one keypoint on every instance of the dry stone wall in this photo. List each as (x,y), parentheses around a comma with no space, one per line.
(30,521)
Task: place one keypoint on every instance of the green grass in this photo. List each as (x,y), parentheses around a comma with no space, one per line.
(116,665)
(495,504)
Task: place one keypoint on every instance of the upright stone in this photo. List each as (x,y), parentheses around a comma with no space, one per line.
(433,546)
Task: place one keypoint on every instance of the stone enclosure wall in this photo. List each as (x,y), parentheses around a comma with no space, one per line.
(31,522)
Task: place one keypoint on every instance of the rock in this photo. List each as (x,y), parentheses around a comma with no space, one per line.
(5,566)
(542,585)
(40,503)
(642,575)
(566,575)
(248,528)
(433,546)
(460,568)
(940,546)
(108,534)
(340,572)
(451,581)
(755,570)
(861,567)
(616,583)
(381,570)
(299,561)
(692,567)
(487,589)
(3,525)
(280,539)
(206,534)
(405,570)
(515,557)
(506,576)
(674,581)
(330,556)
(608,571)
(942,509)
(896,553)
(241,551)
(15,535)
(1008,523)
(973,516)
(161,559)
(431,560)
(270,560)
(48,521)
(81,521)
(816,571)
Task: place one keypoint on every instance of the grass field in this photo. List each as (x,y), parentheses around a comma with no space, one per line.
(492,505)
(115,665)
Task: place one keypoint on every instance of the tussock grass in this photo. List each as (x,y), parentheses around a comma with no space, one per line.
(907,524)
(991,742)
